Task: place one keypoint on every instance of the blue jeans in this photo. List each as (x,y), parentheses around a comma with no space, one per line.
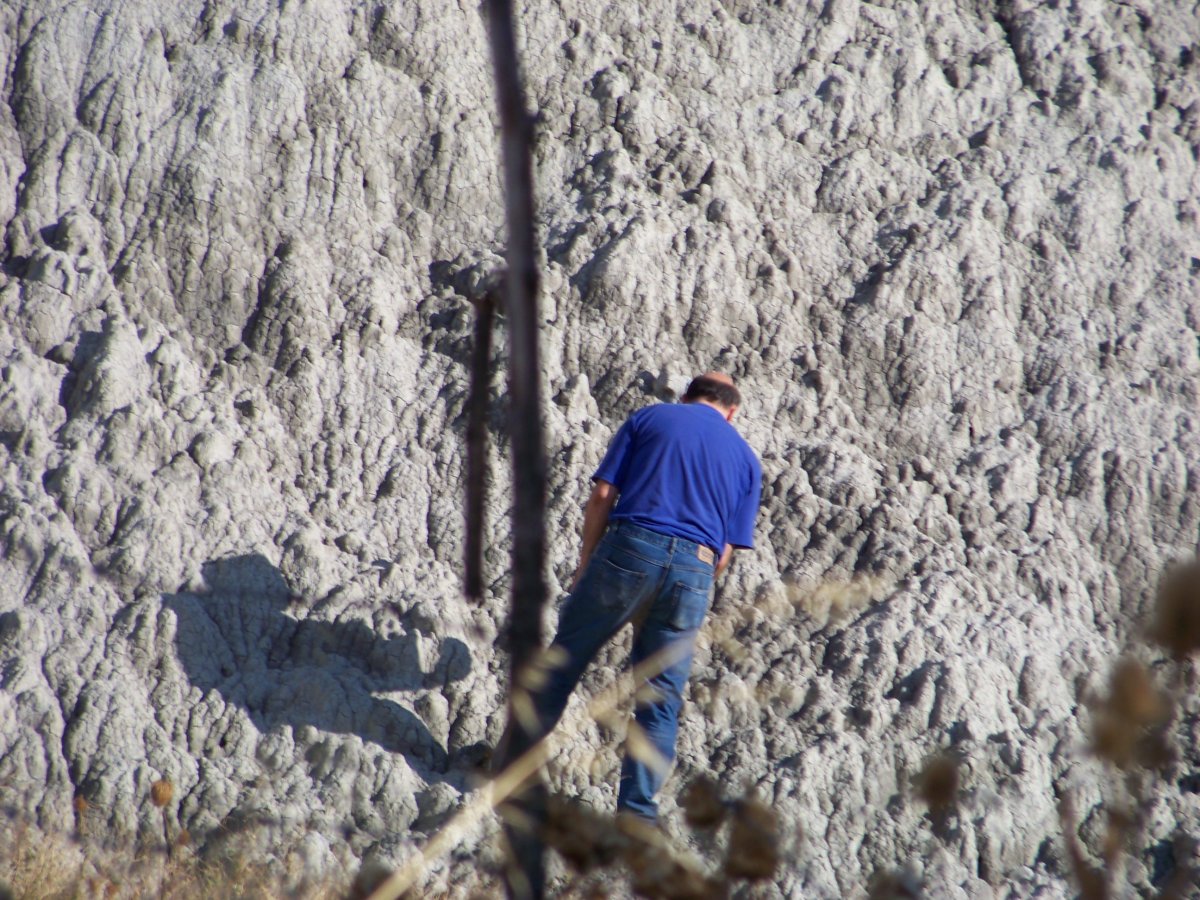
(662,584)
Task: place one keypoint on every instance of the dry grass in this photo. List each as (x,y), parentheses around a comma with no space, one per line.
(520,773)
(591,842)
(33,867)
(39,866)
(833,602)
(1131,731)
(754,833)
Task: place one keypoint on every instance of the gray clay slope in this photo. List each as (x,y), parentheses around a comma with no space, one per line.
(950,250)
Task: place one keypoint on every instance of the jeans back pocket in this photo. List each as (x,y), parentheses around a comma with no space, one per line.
(613,586)
(689,607)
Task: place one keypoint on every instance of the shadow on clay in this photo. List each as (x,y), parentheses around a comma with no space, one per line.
(239,639)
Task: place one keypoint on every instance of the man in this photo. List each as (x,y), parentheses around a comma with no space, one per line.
(676,492)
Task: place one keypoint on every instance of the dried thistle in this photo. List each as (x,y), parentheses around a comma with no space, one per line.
(702,804)
(656,873)
(753,841)
(589,841)
(1185,876)
(584,839)
(1176,625)
(1120,823)
(1134,696)
(161,792)
(895,885)
(1127,730)
(1113,741)
(1093,885)
(937,784)
(80,805)
(1154,750)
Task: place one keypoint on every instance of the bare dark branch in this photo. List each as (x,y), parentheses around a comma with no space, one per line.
(526,876)
(477,404)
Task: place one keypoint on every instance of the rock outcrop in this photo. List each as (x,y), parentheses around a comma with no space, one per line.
(950,251)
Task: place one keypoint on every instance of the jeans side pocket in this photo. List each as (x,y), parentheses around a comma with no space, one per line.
(689,607)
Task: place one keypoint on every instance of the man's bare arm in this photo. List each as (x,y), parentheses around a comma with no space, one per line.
(595,521)
(723,562)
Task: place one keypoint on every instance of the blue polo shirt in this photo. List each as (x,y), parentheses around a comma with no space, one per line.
(682,470)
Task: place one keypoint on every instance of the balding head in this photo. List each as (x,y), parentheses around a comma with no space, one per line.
(715,389)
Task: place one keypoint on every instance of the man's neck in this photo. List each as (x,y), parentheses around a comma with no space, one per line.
(726,414)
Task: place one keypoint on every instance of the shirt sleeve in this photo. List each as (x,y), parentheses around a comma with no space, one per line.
(614,466)
(741,529)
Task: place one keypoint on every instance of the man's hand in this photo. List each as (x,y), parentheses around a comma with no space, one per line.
(723,562)
(595,521)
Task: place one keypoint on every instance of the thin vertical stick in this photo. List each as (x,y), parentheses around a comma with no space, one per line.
(477,404)
(526,876)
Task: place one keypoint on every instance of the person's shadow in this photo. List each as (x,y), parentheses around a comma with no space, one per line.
(236,638)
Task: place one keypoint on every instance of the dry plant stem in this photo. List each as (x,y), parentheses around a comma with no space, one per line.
(507,782)
(524,766)
(529,465)
(481,376)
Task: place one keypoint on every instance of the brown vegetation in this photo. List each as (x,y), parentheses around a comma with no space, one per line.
(591,842)
(38,866)
(1131,733)
(35,866)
